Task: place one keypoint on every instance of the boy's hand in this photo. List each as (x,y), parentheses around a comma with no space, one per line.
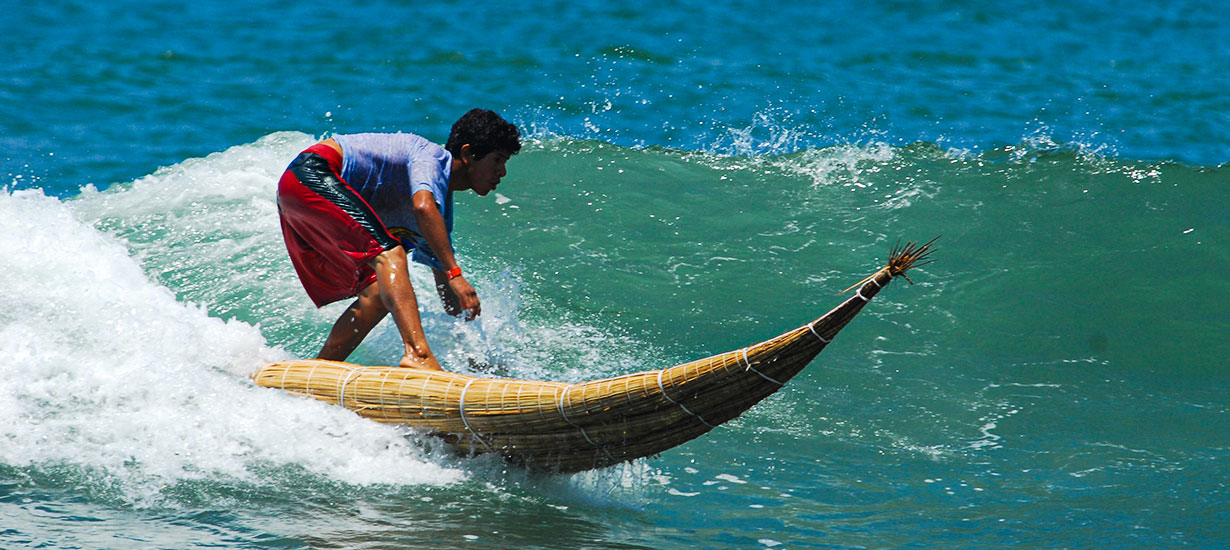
(448,298)
(467,299)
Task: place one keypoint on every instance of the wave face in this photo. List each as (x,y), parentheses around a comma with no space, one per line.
(1066,346)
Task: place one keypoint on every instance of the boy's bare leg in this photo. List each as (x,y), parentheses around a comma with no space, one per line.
(393,293)
(354,324)
(393,280)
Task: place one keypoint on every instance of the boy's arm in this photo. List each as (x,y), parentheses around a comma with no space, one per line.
(431,225)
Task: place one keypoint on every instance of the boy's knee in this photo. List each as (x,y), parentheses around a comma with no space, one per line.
(370,301)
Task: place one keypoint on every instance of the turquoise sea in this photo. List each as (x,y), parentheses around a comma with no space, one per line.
(698,176)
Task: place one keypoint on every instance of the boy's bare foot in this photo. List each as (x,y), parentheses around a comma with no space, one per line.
(409,361)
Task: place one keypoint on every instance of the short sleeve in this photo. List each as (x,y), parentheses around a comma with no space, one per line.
(429,173)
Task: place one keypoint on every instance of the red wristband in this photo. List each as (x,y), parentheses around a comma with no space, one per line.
(454,273)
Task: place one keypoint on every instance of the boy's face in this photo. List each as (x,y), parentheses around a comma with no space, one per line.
(485,173)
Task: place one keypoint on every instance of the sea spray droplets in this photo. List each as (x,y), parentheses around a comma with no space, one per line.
(847,165)
(769,133)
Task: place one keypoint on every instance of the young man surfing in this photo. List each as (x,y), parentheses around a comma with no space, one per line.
(356,208)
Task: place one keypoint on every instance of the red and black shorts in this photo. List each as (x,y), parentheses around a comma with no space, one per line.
(330,231)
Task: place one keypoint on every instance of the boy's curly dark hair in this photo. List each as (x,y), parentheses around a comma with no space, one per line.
(485,131)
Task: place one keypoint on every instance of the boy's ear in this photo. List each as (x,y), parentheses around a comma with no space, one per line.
(466,154)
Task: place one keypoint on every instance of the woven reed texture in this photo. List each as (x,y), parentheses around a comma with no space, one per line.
(573,427)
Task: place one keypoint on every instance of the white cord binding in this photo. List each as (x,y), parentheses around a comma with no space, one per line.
(383,381)
(753,369)
(812,327)
(662,389)
(462,407)
(562,397)
(859,293)
(307,387)
(341,398)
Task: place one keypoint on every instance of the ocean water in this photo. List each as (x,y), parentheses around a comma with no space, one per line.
(696,177)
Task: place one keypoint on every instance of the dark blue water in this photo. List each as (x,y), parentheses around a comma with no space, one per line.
(696,178)
(120,87)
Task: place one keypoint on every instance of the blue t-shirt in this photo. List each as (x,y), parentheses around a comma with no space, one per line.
(387,170)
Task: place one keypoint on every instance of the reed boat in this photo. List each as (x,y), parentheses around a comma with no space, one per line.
(564,427)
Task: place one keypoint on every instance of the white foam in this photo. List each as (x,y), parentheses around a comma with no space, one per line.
(104,369)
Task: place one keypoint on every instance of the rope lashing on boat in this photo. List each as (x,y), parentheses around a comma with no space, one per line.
(873,281)
(383,381)
(564,414)
(285,372)
(422,395)
(662,389)
(753,369)
(461,406)
(812,327)
(307,385)
(859,293)
(341,394)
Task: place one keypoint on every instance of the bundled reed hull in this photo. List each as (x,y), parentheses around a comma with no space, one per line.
(573,427)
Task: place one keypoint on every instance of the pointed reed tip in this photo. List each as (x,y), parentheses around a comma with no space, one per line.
(904,258)
(901,259)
